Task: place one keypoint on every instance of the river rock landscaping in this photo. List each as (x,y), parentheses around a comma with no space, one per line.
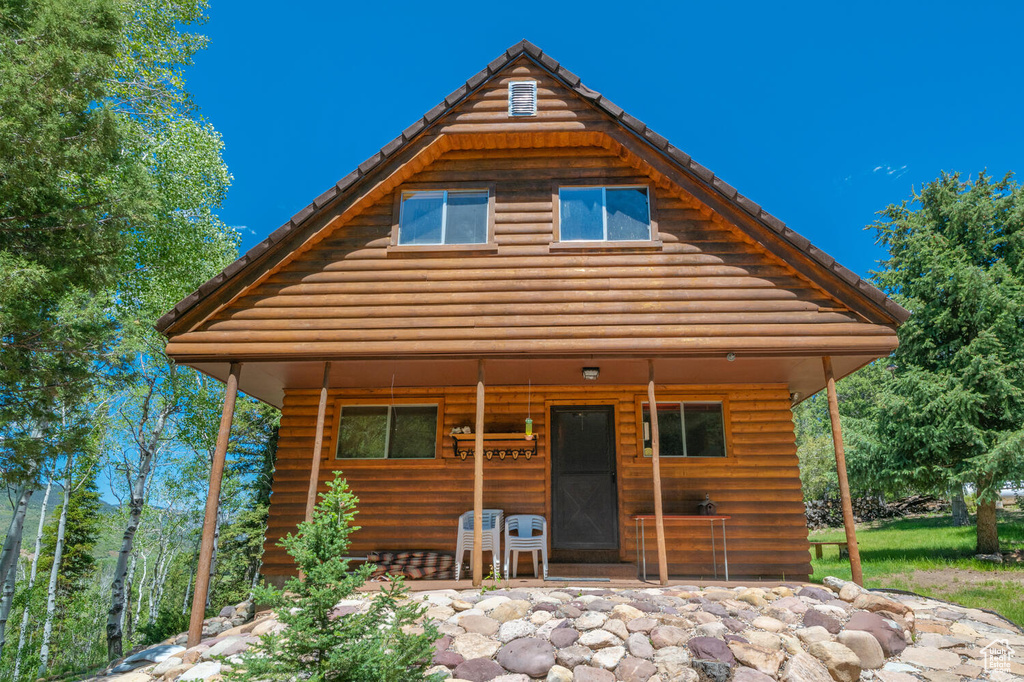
(793,633)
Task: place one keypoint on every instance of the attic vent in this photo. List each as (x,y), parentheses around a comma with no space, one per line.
(522,98)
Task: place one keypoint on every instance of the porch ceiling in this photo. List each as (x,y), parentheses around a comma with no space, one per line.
(267,381)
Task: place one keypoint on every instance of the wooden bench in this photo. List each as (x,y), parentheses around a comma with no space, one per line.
(844,550)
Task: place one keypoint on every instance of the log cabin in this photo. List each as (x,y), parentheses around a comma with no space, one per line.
(527,250)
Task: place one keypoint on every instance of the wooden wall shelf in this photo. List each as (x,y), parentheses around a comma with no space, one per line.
(500,445)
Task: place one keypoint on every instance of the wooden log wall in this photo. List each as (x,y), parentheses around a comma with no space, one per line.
(706,287)
(414,504)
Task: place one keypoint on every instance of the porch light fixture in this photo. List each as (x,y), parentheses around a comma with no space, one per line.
(591,373)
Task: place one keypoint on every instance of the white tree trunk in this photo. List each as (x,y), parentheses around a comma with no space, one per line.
(118,594)
(51,597)
(9,561)
(126,621)
(188,590)
(32,579)
(142,583)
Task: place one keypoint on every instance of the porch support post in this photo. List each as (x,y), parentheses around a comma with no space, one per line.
(659,519)
(844,483)
(318,444)
(478,479)
(202,584)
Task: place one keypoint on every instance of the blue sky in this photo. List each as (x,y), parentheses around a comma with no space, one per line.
(823,113)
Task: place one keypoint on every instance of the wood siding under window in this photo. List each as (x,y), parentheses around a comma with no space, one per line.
(414,504)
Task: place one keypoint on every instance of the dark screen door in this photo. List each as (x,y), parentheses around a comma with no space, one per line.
(583,500)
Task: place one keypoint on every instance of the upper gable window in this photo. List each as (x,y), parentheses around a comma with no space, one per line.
(443,217)
(604,214)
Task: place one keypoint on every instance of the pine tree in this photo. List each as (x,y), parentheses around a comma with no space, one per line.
(321,645)
(953,413)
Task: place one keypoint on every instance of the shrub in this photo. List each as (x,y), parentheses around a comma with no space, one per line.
(321,645)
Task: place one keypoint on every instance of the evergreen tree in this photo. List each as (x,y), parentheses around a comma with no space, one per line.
(953,413)
(321,645)
(81,531)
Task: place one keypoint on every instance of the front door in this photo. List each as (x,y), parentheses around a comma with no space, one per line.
(584,507)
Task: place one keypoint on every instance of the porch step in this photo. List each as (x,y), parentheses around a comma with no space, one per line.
(614,571)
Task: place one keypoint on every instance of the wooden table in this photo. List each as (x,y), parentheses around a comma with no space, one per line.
(638,522)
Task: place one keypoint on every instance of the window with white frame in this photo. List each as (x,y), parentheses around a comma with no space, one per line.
(610,214)
(444,217)
(687,429)
(387,432)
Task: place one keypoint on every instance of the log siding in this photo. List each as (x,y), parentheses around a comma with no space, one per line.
(414,504)
(704,286)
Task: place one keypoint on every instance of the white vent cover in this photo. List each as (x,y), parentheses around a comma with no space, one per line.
(522,98)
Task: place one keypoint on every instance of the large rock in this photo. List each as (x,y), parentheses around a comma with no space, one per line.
(591,620)
(768,623)
(478,670)
(563,637)
(626,613)
(528,655)
(887,632)
(710,649)
(842,664)
(633,669)
(609,657)
(473,645)
(616,627)
(758,658)
(514,629)
(489,603)
(639,645)
(813,634)
(750,675)
(815,618)
(641,625)
(585,673)
(448,659)
(572,656)
(202,671)
(930,657)
(805,668)
(559,674)
(599,639)
(673,662)
(869,601)
(818,593)
(713,671)
(867,648)
(510,610)
(165,666)
(479,624)
(668,635)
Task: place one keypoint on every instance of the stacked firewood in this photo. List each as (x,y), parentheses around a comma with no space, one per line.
(414,565)
(829,513)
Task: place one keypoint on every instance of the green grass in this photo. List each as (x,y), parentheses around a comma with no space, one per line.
(929,556)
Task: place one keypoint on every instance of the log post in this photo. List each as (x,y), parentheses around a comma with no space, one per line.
(844,483)
(195,627)
(318,444)
(478,480)
(659,518)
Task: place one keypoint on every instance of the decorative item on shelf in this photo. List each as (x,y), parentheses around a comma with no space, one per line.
(529,429)
(707,507)
(496,445)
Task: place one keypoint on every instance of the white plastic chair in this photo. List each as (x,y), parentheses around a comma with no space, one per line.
(491,538)
(519,537)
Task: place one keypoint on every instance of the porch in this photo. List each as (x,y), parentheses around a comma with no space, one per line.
(413,503)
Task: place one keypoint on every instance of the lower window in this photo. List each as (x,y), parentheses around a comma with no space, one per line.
(694,429)
(387,432)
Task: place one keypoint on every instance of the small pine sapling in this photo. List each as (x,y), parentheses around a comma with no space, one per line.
(380,643)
